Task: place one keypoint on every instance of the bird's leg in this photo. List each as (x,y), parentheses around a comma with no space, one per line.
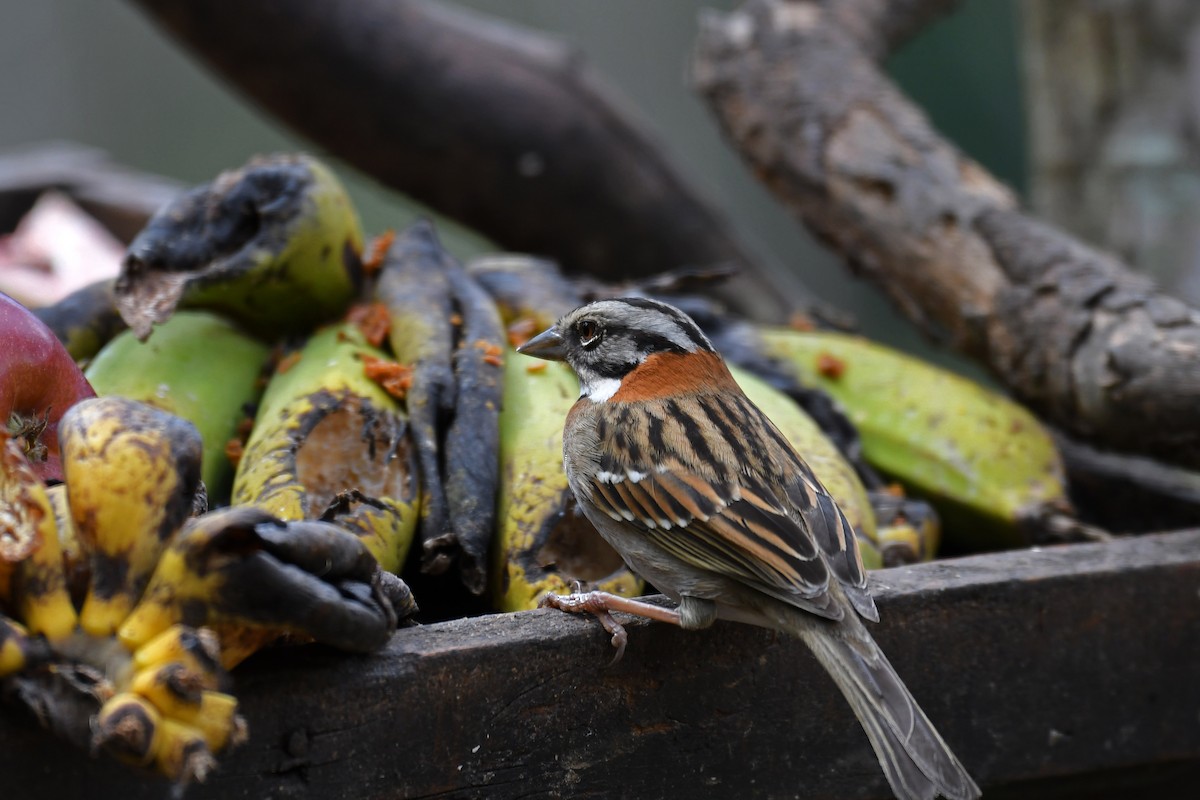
(602,604)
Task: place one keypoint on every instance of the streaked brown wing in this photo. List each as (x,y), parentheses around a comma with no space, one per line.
(763,520)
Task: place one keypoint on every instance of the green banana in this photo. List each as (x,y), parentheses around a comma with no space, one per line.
(252,577)
(323,428)
(989,467)
(826,462)
(131,472)
(195,365)
(543,542)
(275,246)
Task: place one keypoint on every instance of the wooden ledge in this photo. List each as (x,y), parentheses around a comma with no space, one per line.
(1073,668)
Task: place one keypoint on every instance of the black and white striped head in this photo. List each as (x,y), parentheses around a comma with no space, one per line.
(603,341)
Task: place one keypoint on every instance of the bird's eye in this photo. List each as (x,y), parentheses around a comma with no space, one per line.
(589,332)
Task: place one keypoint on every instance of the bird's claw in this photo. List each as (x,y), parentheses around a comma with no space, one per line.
(593,603)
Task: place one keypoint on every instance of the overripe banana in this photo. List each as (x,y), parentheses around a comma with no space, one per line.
(275,245)
(543,542)
(195,365)
(986,463)
(324,428)
(252,577)
(132,730)
(413,287)
(472,440)
(131,472)
(19,649)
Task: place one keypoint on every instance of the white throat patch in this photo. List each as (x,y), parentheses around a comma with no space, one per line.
(600,390)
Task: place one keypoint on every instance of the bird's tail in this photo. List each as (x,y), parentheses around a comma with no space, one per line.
(917,763)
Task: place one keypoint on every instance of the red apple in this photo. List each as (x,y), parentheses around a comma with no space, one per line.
(39,381)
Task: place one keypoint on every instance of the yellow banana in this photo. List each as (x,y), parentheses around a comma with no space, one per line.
(19,649)
(252,577)
(32,577)
(831,469)
(543,542)
(324,428)
(131,473)
(275,245)
(195,365)
(986,463)
(132,730)
(180,694)
(197,649)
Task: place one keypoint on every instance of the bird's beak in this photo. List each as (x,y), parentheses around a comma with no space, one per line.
(548,344)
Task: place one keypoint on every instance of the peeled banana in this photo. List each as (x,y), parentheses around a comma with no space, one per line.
(323,428)
(986,463)
(195,365)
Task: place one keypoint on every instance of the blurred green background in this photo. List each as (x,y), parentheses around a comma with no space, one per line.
(98,73)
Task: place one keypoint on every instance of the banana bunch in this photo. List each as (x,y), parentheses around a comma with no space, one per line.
(164,601)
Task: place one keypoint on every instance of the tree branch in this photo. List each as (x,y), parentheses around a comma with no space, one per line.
(505,130)
(1070,330)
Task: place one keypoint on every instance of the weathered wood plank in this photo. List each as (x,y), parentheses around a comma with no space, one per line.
(1044,667)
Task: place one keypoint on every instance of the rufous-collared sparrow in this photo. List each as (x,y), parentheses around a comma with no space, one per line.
(701,495)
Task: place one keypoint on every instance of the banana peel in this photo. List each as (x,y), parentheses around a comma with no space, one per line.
(275,245)
(987,464)
(822,456)
(324,428)
(196,365)
(543,543)
(416,292)
(131,472)
(472,439)
(33,582)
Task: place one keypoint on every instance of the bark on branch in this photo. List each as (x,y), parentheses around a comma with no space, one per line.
(507,131)
(1073,332)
